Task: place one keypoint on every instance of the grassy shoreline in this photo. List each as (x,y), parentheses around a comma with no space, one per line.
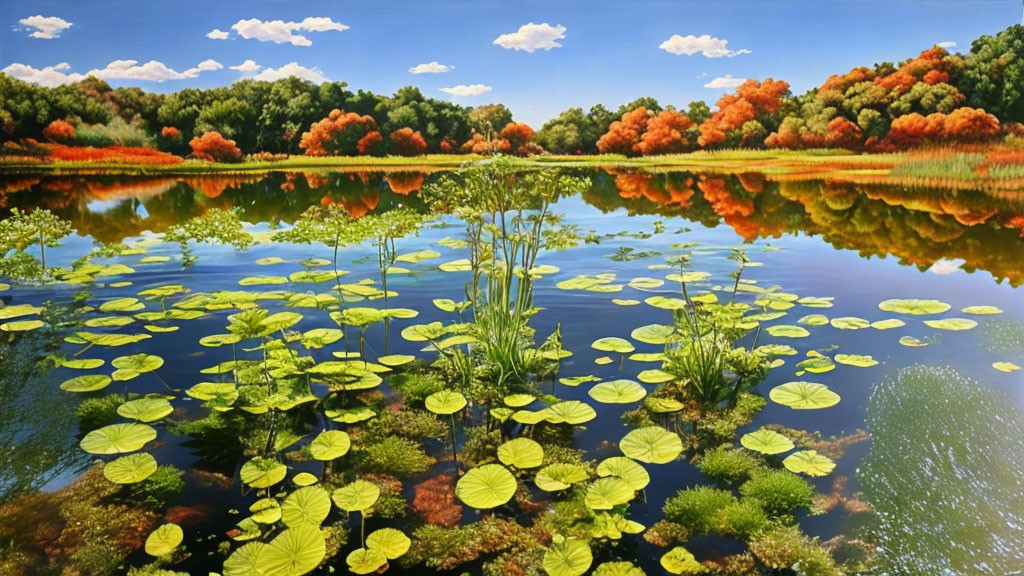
(948,168)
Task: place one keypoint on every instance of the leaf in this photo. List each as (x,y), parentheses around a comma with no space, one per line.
(654,334)
(390,542)
(607,493)
(18,310)
(306,506)
(164,540)
(804,395)
(912,342)
(262,472)
(82,363)
(567,558)
(560,476)
(652,444)
(394,360)
(1008,367)
(666,303)
(130,469)
(356,496)
(816,365)
(849,323)
(122,305)
(294,552)
(954,324)
(617,392)
(445,402)
(519,400)
(981,310)
(888,324)
(654,377)
(117,438)
(246,561)
(914,307)
(521,453)
(809,462)
(813,320)
(365,561)
(22,325)
(145,409)
(138,363)
(766,441)
(627,469)
(486,487)
(856,360)
(572,412)
(265,511)
(787,331)
(612,344)
(679,560)
(330,444)
(86,383)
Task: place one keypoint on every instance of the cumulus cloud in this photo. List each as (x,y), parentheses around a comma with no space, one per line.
(945,267)
(532,37)
(282,32)
(152,71)
(63,66)
(707,45)
(247,66)
(726,81)
(48,76)
(464,90)
(290,69)
(218,34)
(45,27)
(946,44)
(430,68)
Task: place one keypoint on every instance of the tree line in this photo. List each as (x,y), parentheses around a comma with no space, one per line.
(933,97)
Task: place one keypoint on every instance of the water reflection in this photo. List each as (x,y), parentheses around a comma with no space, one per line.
(919,226)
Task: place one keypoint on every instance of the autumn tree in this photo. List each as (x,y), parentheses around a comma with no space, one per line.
(520,138)
(60,131)
(971,125)
(843,133)
(753,100)
(371,145)
(665,134)
(213,147)
(170,133)
(624,134)
(338,134)
(407,142)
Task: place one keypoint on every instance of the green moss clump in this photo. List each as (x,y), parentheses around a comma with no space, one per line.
(481,445)
(408,423)
(396,456)
(728,466)
(779,492)
(784,547)
(698,508)
(416,386)
(618,569)
(95,413)
(741,520)
(156,491)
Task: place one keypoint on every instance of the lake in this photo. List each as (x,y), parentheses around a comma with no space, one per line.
(916,488)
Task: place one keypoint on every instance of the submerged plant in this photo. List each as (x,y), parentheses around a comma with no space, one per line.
(23,230)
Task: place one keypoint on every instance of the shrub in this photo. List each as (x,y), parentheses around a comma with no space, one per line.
(396,456)
(728,465)
(784,547)
(407,142)
(340,134)
(95,413)
(170,133)
(60,131)
(434,501)
(115,133)
(416,386)
(112,154)
(213,147)
(408,423)
(698,508)
(778,492)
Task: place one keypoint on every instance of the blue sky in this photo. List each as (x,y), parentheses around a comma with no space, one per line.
(610,51)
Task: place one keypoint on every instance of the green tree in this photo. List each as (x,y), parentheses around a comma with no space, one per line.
(993,74)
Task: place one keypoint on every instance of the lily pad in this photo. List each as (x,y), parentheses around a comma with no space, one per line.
(856,360)
(654,333)
(679,560)
(617,392)
(652,444)
(912,342)
(888,324)
(148,409)
(981,310)
(22,325)
(809,462)
(130,469)
(787,331)
(607,493)
(164,540)
(766,441)
(86,383)
(849,323)
(1008,367)
(568,558)
(307,506)
(262,472)
(813,320)
(389,541)
(627,469)
(572,412)
(330,444)
(521,453)
(365,561)
(117,438)
(357,496)
(560,476)
(612,344)
(954,324)
(294,552)
(486,486)
(804,395)
(914,306)
(445,402)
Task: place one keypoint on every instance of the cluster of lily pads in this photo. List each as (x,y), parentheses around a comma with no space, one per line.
(493,376)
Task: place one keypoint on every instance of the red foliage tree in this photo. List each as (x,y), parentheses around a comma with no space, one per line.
(842,82)
(407,142)
(665,134)
(519,137)
(913,129)
(971,125)
(170,133)
(213,147)
(338,134)
(843,133)
(752,100)
(371,145)
(434,501)
(624,134)
(478,144)
(60,131)
(930,66)
(448,145)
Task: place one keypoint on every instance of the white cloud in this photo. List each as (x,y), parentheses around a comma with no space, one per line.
(283,32)
(430,68)
(48,76)
(946,44)
(945,267)
(247,66)
(152,71)
(464,90)
(291,69)
(218,34)
(45,27)
(726,81)
(62,66)
(707,45)
(532,37)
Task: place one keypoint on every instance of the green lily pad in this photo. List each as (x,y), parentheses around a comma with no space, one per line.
(679,560)
(607,493)
(914,306)
(954,324)
(856,360)
(654,334)
(294,552)
(130,469)
(809,462)
(305,479)
(666,302)
(849,323)
(1008,367)
(518,400)
(390,542)
(766,441)
(912,342)
(22,325)
(617,392)
(122,305)
(568,558)
(816,302)
(82,363)
(804,395)
(486,487)
(813,320)
(18,310)
(625,302)
(787,331)
(626,469)
(521,453)
(164,540)
(981,310)
(330,444)
(652,444)
(602,360)
(654,377)
(86,383)
(572,412)
(560,476)
(307,506)
(816,365)
(394,360)
(148,409)
(262,472)
(613,344)
(356,496)
(445,402)
(117,438)
(365,561)
(265,511)
(888,324)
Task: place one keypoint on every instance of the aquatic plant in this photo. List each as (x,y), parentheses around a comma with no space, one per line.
(22,230)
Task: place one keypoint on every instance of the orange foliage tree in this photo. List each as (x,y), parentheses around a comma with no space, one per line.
(213,147)
(665,134)
(371,145)
(478,144)
(843,133)
(623,135)
(962,125)
(520,138)
(931,66)
(60,131)
(338,134)
(752,101)
(407,142)
(170,133)
(971,125)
